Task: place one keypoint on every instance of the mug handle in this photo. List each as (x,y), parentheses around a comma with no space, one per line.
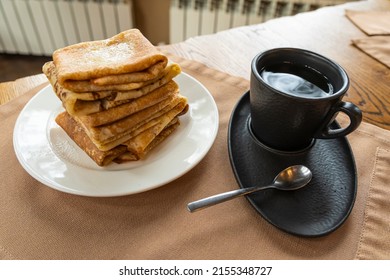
(351,110)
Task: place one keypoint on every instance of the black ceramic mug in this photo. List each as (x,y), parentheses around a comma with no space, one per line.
(295,95)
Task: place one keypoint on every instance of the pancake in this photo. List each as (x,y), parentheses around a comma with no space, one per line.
(79,104)
(139,143)
(108,136)
(78,135)
(128,156)
(120,153)
(81,66)
(129,108)
(147,75)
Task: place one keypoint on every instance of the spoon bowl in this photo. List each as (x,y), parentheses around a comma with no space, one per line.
(292,178)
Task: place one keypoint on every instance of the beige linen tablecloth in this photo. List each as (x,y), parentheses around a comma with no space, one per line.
(38,222)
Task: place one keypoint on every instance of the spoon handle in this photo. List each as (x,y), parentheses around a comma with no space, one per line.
(222,197)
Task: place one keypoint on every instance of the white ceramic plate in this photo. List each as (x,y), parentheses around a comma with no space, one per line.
(47,153)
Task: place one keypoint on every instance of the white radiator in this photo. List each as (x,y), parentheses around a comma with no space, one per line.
(39,27)
(199,17)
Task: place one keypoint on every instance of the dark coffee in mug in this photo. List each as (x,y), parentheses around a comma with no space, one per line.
(295,95)
(297,80)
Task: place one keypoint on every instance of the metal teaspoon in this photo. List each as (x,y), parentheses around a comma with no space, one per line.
(291,178)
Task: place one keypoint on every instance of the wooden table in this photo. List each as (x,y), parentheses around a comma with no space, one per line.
(326,31)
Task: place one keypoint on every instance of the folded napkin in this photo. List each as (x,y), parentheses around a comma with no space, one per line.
(371,22)
(38,222)
(377,47)
(374,241)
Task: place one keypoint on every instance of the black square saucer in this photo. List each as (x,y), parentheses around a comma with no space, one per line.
(315,210)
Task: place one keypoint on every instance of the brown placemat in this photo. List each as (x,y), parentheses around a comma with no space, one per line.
(38,222)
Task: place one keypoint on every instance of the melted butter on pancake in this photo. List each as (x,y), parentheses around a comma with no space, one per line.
(113,53)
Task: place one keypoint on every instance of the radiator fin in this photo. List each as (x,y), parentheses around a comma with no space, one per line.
(190,18)
(39,27)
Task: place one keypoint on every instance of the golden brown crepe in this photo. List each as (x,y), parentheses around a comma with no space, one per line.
(140,142)
(129,108)
(129,54)
(79,104)
(128,156)
(77,134)
(120,153)
(150,74)
(108,136)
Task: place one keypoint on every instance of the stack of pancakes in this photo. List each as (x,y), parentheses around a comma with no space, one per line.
(119,96)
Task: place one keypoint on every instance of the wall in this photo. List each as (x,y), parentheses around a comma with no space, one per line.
(152,18)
